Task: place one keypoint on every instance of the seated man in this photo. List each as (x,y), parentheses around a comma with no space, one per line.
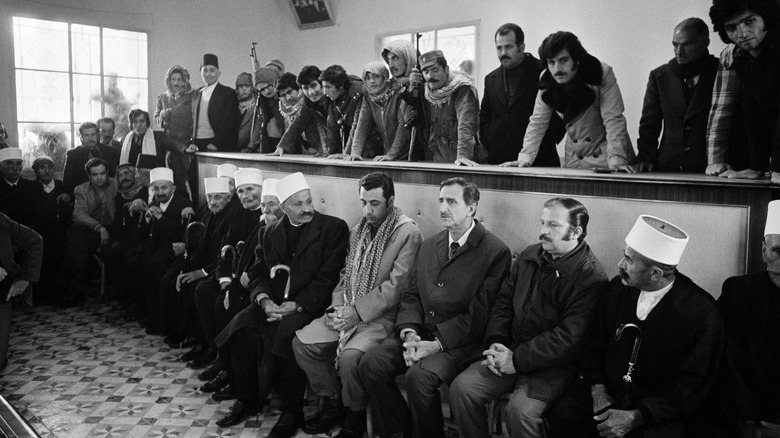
(748,305)
(384,111)
(76,158)
(311,248)
(585,94)
(534,355)
(441,320)
(753,27)
(363,308)
(655,351)
(93,216)
(451,113)
(17,195)
(677,105)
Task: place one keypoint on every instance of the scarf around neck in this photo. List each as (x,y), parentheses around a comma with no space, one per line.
(148,146)
(574,98)
(383,94)
(442,95)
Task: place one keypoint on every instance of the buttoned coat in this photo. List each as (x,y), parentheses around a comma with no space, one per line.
(449,299)
(224,116)
(681,125)
(379,307)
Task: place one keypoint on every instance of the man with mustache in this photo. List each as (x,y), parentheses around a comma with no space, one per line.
(508,102)
(674,343)
(451,113)
(583,91)
(534,354)
(441,320)
(106,128)
(75,159)
(753,26)
(677,103)
(173,113)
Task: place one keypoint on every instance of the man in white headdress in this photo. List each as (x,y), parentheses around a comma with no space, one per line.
(656,350)
(749,305)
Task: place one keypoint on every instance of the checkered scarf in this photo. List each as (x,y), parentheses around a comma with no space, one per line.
(442,95)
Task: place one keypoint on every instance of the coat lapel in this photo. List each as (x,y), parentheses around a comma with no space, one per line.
(278,237)
(310,232)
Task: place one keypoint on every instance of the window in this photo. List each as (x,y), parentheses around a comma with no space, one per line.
(67,74)
(458,42)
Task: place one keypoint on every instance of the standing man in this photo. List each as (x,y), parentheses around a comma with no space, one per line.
(451,112)
(535,354)
(249,128)
(508,102)
(442,318)
(749,304)
(753,27)
(677,105)
(76,158)
(146,149)
(583,91)
(655,351)
(173,113)
(364,305)
(308,133)
(106,127)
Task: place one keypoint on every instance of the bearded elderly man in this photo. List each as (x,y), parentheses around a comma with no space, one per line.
(535,354)
(655,352)
(298,260)
(749,305)
(383,249)
(441,320)
(451,113)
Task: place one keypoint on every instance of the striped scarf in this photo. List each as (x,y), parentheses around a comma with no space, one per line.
(442,95)
(363,264)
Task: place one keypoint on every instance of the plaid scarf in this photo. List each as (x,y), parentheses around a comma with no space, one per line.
(442,95)
(385,92)
(363,260)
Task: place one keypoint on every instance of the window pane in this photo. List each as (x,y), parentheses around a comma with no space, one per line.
(42,96)
(40,44)
(124,53)
(122,95)
(458,45)
(86,98)
(428,41)
(52,139)
(86,48)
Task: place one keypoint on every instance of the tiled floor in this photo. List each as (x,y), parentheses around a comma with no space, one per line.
(85,372)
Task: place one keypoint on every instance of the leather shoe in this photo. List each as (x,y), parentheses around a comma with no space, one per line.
(204,360)
(286,426)
(194,353)
(226,393)
(331,415)
(238,412)
(354,425)
(210,373)
(216,383)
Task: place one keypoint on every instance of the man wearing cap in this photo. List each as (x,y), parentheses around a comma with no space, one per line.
(508,102)
(53,213)
(383,249)
(248,129)
(212,313)
(535,354)
(276,65)
(214,112)
(15,191)
(749,305)
(655,351)
(164,221)
(176,309)
(298,260)
(93,216)
(269,123)
(452,112)
(76,158)
(441,320)
(228,170)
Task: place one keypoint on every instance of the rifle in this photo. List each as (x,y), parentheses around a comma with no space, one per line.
(255,66)
(414,122)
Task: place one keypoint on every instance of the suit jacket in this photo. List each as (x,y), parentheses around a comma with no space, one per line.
(450,299)
(502,122)
(678,360)
(21,253)
(314,272)
(169,228)
(379,307)
(19,202)
(224,116)
(683,146)
(75,159)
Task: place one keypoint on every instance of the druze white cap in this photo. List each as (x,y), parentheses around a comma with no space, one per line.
(657,240)
(290,185)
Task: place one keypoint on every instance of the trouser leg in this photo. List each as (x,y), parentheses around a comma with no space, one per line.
(422,389)
(205,301)
(377,370)
(470,392)
(243,351)
(524,414)
(353,392)
(316,360)
(5,330)
(292,386)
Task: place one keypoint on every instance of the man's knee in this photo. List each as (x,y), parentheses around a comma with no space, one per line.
(374,367)
(421,381)
(523,407)
(349,360)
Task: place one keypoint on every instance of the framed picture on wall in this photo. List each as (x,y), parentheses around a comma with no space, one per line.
(311,13)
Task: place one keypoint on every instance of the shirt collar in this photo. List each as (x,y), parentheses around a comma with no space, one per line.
(464,237)
(11,183)
(164,206)
(48,187)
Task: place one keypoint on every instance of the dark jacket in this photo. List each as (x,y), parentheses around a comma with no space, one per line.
(209,244)
(389,121)
(543,312)
(162,144)
(21,255)
(683,146)
(19,202)
(169,228)
(450,298)
(224,117)
(75,160)
(453,127)
(502,122)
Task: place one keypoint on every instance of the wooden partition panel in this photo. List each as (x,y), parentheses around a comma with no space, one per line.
(724,218)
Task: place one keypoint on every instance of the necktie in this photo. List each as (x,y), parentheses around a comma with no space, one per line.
(454,248)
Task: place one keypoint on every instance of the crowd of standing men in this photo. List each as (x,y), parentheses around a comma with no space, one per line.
(257,277)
